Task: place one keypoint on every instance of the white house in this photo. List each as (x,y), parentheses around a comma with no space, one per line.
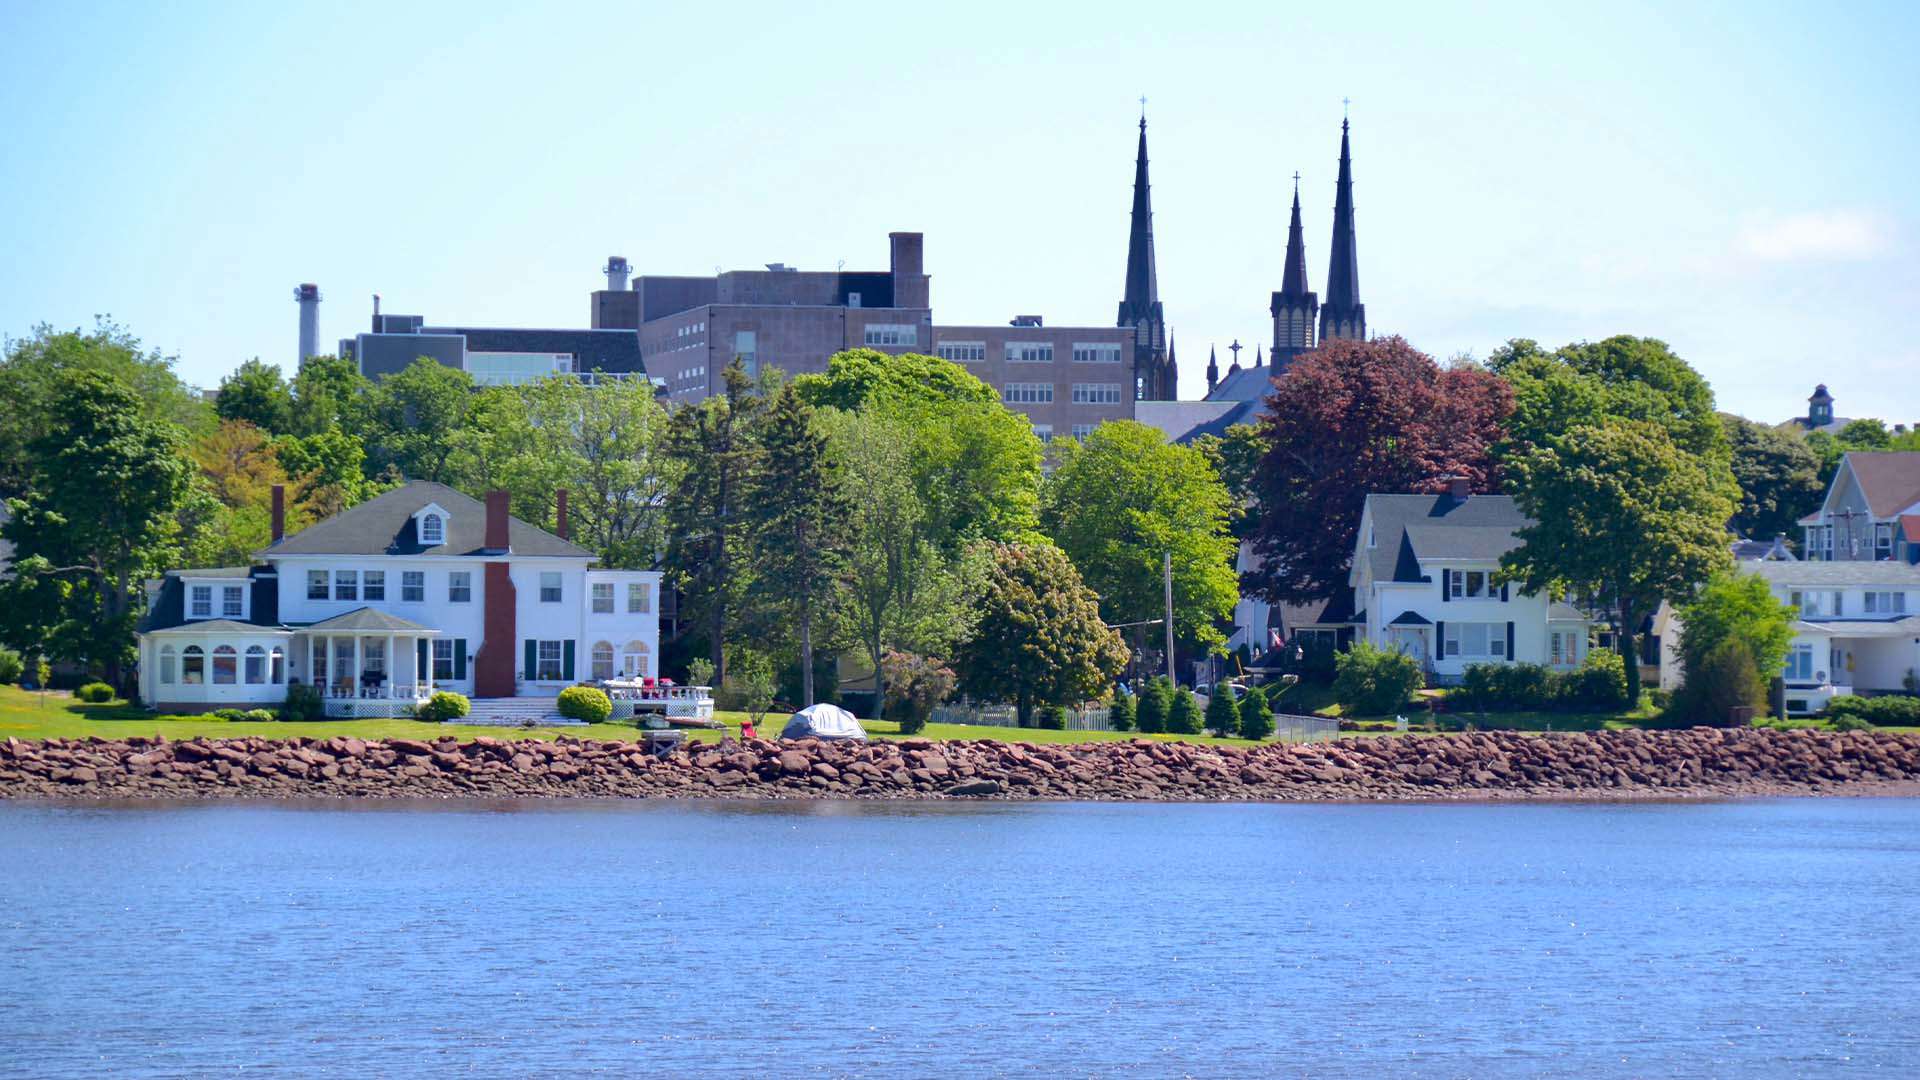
(421,588)
(1423,583)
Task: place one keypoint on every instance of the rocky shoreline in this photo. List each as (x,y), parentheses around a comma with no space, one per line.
(1696,763)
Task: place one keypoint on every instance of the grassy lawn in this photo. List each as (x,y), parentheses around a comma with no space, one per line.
(56,715)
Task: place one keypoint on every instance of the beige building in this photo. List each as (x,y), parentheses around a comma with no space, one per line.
(1066,379)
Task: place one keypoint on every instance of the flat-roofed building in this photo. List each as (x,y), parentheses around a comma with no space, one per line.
(1066,379)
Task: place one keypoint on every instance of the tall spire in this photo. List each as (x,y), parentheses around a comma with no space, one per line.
(1213,369)
(1294,281)
(1294,307)
(1140,307)
(1343,315)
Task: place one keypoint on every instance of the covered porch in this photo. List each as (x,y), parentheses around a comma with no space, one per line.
(369,664)
(1833,657)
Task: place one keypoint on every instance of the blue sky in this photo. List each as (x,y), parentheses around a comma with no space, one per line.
(1736,179)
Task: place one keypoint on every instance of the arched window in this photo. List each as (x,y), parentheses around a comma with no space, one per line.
(225,665)
(256,669)
(633,660)
(276,666)
(193,666)
(603,660)
(169,660)
(433,530)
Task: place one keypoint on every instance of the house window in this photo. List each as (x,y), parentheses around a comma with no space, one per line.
(1096,353)
(460,587)
(346,584)
(1565,647)
(376,585)
(256,671)
(1886,603)
(963,351)
(549,586)
(169,662)
(1027,393)
(1476,641)
(548,656)
(633,660)
(1883,541)
(413,586)
(193,666)
(319,673)
(639,598)
(225,665)
(343,652)
(202,602)
(373,656)
(277,666)
(892,334)
(316,584)
(1799,664)
(1096,393)
(433,530)
(232,604)
(442,658)
(1029,352)
(603,598)
(1469,585)
(603,660)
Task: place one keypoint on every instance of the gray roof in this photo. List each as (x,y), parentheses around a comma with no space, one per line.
(384,525)
(1184,421)
(214,572)
(1246,384)
(1438,527)
(1907,627)
(1561,611)
(1836,574)
(220,626)
(367,619)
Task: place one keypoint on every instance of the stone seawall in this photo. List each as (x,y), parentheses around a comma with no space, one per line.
(1617,764)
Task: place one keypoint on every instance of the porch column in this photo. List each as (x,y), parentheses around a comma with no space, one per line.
(392,670)
(313,678)
(359,665)
(427,675)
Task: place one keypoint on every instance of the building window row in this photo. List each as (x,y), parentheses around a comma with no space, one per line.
(963,352)
(259,666)
(1027,393)
(200,600)
(1096,393)
(371,585)
(1029,352)
(892,334)
(1094,352)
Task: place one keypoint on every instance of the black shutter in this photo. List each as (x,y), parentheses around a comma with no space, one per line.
(1440,640)
(566,660)
(1510,643)
(1446,585)
(1503,592)
(421,673)
(459,658)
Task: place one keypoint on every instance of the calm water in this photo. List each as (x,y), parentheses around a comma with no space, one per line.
(1737,939)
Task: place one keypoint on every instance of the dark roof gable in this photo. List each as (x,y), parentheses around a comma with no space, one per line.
(384,525)
(1407,528)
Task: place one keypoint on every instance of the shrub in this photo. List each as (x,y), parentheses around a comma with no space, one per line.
(700,671)
(587,703)
(229,714)
(1727,679)
(446,705)
(1256,716)
(1849,723)
(1373,680)
(1120,711)
(303,703)
(11,666)
(95,692)
(1183,716)
(1889,711)
(915,684)
(1051,717)
(1601,682)
(1223,713)
(1150,712)
(257,715)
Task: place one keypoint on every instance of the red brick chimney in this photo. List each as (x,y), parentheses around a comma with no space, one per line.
(1459,487)
(279,512)
(562,528)
(497,521)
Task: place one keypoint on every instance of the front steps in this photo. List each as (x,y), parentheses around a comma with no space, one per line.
(517,712)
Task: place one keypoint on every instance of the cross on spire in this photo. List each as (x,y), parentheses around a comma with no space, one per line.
(1235,350)
(1143,112)
(1346,104)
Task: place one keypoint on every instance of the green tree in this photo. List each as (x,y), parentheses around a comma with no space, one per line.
(753,684)
(796,512)
(1156,700)
(328,392)
(860,379)
(1183,715)
(415,417)
(1039,639)
(1737,607)
(257,393)
(328,470)
(714,449)
(1119,501)
(31,382)
(1256,715)
(1622,516)
(1223,713)
(98,520)
(1778,475)
(1622,377)
(1120,711)
(1724,678)
(1236,454)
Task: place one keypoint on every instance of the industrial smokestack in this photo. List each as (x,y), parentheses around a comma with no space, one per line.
(616,271)
(308,297)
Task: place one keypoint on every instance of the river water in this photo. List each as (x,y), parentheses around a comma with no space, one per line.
(1749,939)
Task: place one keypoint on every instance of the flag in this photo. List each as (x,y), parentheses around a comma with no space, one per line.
(1274,639)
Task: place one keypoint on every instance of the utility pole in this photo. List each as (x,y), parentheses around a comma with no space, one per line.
(1166,574)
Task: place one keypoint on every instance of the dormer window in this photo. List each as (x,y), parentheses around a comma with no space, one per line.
(433,529)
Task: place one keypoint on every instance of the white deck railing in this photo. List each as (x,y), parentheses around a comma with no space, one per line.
(674,702)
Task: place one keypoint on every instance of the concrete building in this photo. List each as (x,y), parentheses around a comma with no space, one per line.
(494,356)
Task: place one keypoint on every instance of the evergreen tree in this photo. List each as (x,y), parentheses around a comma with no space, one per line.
(714,446)
(797,512)
(1256,716)
(1183,716)
(1120,712)
(1150,712)
(97,522)
(1223,713)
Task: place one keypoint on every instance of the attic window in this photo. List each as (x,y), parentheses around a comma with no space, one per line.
(433,530)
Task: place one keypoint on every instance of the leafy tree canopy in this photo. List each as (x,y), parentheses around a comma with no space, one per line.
(257,393)
(1039,638)
(860,379)
(1625,377)
(1778,475)
(414,418)
(1741,608)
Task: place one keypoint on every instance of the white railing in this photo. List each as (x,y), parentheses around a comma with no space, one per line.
(674,702)
(386,691)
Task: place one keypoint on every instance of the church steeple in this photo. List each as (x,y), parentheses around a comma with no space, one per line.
(1343,315)
(1213,369)
(1295,306)
(1140,306)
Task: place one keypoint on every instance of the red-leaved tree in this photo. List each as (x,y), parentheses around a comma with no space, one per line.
(1353,418)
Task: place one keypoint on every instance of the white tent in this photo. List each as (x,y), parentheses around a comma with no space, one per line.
(823,721)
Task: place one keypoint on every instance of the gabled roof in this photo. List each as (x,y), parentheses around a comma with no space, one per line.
(1889,479)
(1837,574)
(369,620)
(384,525)
(167,606)
(1408,528)
(1336,610)
(1410,618)
(1244,384)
